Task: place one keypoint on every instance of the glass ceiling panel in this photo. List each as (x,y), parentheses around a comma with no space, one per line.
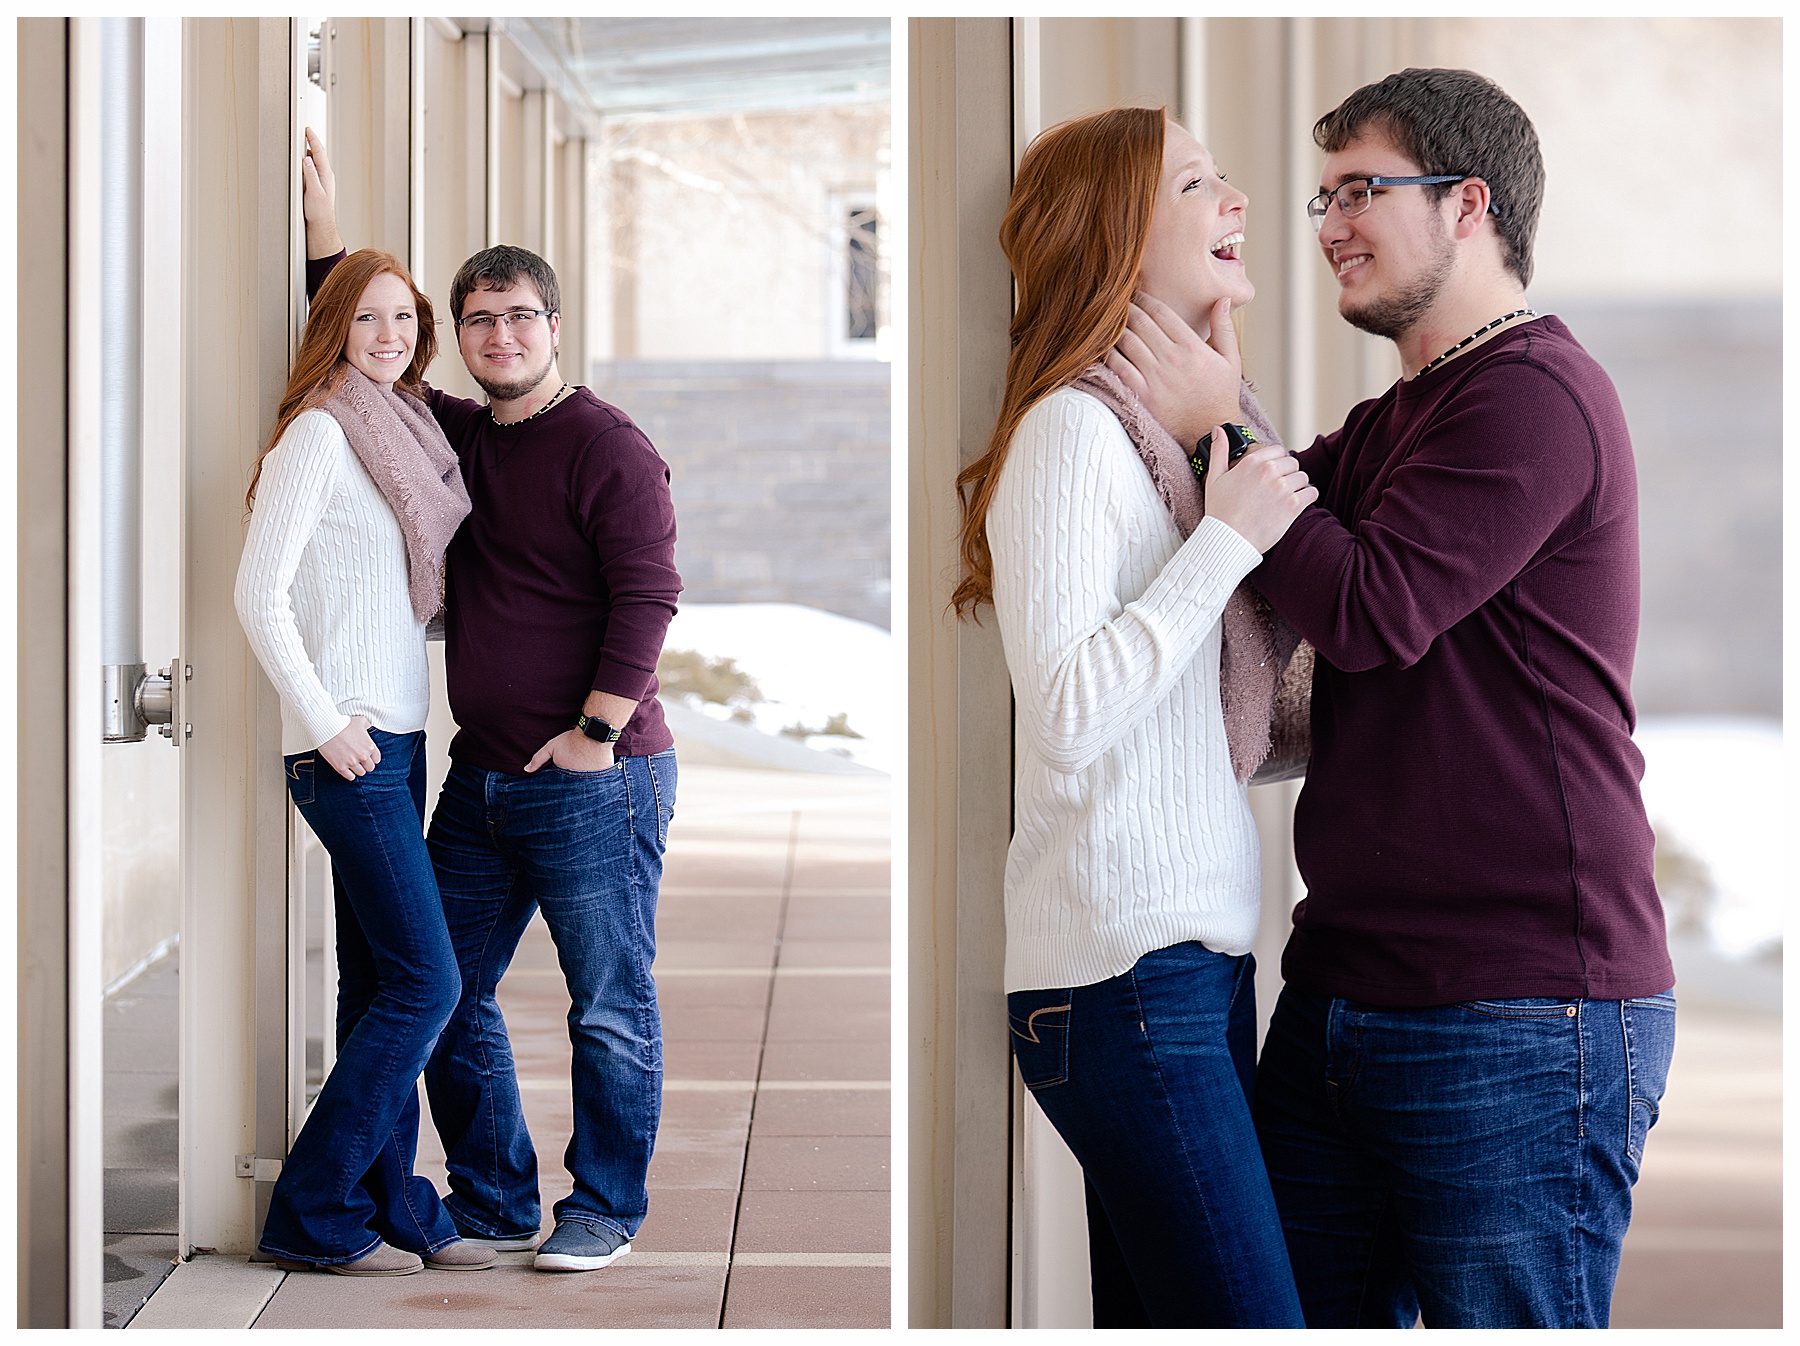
(658,67)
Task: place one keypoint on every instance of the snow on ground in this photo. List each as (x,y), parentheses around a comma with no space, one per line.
(809,664)
(1714,789)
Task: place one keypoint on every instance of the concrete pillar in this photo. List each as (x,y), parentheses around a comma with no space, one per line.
(81,641)
(959,702)
(368,69)
(39,464)
(453,186)
(568,206)
(240,263)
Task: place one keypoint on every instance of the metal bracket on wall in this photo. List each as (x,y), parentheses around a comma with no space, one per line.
(135,700)
(255,1166)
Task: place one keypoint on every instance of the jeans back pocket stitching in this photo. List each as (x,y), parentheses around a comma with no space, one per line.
(308,782)
(1634,1143)
(665,808)
(1030,1033)
(1029,1059)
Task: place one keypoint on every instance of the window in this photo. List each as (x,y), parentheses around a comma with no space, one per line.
(857,305)
(862,273)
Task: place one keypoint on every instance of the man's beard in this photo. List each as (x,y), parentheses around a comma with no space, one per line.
(1393,315)
(513,389)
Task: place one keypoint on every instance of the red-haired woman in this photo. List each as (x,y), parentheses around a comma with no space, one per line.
(354,500)
(1132,883)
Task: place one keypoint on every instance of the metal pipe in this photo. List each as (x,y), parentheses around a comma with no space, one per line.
(121,371)
(121,335)
(131,701)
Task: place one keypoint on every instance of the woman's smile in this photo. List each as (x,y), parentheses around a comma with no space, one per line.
(383,330)
(1194,248)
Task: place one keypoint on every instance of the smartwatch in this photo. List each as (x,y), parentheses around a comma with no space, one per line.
(1238,439)
(597,729)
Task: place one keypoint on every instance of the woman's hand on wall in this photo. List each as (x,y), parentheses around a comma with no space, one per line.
(1260,494)
(318,199)
(1190,384)
(351,752)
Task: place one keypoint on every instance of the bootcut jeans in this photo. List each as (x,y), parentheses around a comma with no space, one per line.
(585,849)
(1147,1076)
(1470,1163)
(347,1183)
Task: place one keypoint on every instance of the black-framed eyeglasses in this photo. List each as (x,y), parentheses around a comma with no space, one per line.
(483,323)
(1355,196)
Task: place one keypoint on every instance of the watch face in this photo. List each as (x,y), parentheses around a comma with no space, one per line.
(597,729)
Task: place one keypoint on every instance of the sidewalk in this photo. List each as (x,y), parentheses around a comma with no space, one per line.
(769,1186)
(1704,1248)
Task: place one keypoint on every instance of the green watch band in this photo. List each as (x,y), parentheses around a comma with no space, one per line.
(1238,439)
(597,729)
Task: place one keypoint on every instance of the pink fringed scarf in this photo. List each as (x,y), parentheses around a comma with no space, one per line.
(1255,643)
(398,440)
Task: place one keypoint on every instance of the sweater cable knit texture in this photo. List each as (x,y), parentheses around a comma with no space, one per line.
(1131,832)
(322,592)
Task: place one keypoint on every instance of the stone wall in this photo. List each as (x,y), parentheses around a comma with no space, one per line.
(780,472)
(1701,388)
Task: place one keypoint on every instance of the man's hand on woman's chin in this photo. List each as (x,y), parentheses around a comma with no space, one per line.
(1189,384)
(572,750)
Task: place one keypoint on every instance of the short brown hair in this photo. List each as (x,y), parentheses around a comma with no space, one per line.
(1454,121)
(500,268)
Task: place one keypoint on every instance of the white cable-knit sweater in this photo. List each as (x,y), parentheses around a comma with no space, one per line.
(1130,831)
(321,592)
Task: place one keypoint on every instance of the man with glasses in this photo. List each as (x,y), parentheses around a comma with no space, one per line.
(1476,1022)
(558,590)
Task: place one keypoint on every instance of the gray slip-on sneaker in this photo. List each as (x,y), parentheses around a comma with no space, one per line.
(462,1256)
(578,1245)
(380,1261)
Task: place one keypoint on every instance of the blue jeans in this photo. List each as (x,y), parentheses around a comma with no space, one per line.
(348,1183)
(584,848)
(1147,1077)
(1471,1163)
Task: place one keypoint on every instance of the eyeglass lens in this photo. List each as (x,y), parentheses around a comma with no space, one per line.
(484,322)
(1353,199)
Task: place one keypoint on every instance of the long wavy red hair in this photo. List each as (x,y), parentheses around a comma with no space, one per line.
(319,366)
(1074,234)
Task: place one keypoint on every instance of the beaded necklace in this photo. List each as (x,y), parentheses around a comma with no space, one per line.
(539,412)
(1476,335)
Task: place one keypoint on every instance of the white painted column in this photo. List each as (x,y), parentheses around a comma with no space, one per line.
(86,896)
(1027,84)
(415,163)
(1300,254)
(10,584)
(1049,1248)
(547,204)
(1193,78)
(491,137)
(239,247)
(959,760)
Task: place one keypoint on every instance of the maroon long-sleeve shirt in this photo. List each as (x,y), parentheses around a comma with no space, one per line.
(1471,825)
(561,580)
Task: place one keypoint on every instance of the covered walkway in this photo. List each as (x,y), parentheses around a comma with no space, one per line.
(769,1200)
(158,195)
